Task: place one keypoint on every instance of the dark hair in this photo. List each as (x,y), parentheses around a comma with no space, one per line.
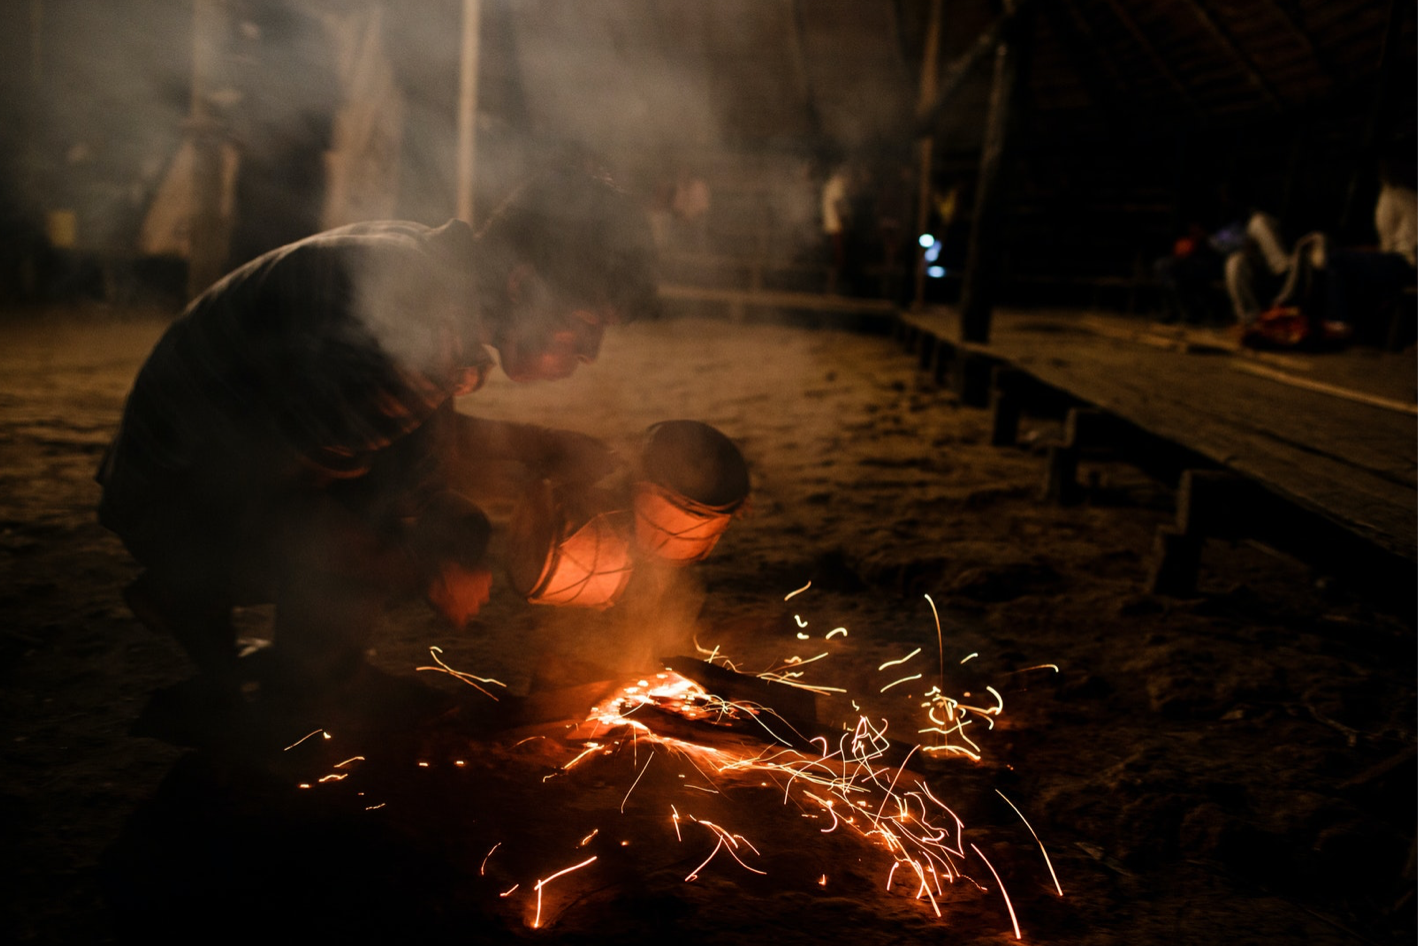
(587,238)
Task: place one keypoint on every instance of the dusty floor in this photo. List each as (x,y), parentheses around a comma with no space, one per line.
(1235,767)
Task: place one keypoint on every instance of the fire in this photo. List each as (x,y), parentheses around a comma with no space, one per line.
(853,783)
(702,749)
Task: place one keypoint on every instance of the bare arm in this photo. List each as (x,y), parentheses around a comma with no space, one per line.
(564,456)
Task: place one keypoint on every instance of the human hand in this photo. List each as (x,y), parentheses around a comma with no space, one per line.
(458,592)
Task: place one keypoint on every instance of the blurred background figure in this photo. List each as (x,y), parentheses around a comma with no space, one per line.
(1367,284)
(835,210)
(689,207)
(1256,270)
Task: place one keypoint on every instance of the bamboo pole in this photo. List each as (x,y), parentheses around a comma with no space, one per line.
(925,149)
(468,108)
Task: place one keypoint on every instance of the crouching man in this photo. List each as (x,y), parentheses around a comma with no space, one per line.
(290,436)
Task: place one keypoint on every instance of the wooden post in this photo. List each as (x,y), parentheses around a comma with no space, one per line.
(1176,558)
(1209,503)
(207,256)
(981,265)
(1084,427)
(970,377)
(925,151)
(1214,503)
(468,107)
(1005,405)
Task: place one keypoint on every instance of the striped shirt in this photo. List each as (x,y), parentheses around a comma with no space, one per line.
(298,368)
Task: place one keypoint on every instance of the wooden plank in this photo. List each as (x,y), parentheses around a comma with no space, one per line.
(1350,462)
(1371,505)
(1192,398)
(1349,394)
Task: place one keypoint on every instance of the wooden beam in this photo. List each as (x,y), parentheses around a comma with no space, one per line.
(1290,16)
(1223,37)
(986,228)
(1076,37)
(929,109)
(1146,46)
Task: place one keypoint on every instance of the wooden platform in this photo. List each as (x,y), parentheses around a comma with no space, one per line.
(737,302)
(1333,433)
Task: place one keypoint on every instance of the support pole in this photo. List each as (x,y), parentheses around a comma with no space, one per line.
(981,266)
(207,256)
(925,147)
(468,107)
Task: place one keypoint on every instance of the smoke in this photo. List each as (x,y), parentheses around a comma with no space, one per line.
(657,617)
(344,111)
(95,95)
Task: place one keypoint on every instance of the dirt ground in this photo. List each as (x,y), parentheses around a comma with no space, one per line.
(1234,767)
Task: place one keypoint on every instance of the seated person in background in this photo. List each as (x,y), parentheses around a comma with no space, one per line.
(1364,282)
(1256,268)
(1186,276)
(291,438)
(1338,294)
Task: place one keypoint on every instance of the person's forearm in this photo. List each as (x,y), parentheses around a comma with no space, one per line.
(563,456)
(476,438)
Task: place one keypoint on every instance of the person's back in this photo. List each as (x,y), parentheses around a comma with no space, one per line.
(308,357)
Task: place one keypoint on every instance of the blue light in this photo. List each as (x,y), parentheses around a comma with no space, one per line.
(935,272)
(926,239)
(932,253)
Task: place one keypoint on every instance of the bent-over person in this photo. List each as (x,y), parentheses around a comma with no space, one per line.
(291,435)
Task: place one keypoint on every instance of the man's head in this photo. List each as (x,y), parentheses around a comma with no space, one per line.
(577,256)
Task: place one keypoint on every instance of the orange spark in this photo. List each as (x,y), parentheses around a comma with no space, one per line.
(792,594)
(1004,893)
(536,923)
(902,680)
(902,660)
(470,679)
(305,737)
(636,782)
(1047,862)
(940,641)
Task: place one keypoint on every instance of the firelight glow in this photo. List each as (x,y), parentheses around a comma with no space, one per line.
(856,782)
